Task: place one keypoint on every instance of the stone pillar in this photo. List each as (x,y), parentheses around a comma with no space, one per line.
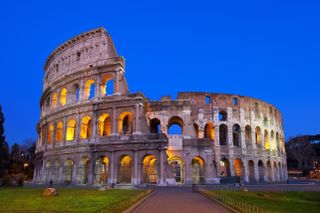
(256,170)
(136,127)
(114,122)
(74,173)
(60,179)
(208,167)
(135,178)
(187,169)
(245,167)
(92,166)
(77,130)
(273,178)
(94,129)
(162,168)
(231,160)
(112,175)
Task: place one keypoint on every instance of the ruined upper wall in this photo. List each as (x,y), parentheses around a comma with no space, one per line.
(84,51)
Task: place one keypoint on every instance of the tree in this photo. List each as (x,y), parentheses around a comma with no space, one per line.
(299,152)
(4,148)
(16,159)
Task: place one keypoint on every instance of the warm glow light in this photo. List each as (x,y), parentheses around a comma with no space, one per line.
(86,127)
(59,132)
(87,89)
(104,125)
(54,101)
(125,123)
(50,135)
(63,96)
(71,127)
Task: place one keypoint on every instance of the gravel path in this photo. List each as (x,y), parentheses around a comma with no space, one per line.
(178,200)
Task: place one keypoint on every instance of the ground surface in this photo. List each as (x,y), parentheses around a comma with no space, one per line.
(68,200)
(178,200)
(293,202)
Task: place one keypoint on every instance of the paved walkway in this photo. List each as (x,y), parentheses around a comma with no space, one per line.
(178,200)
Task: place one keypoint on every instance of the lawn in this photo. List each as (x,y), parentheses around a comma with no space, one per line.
(277,201)
(68,200)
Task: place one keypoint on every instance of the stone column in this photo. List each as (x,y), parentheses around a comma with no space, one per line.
(74,173)
(77,130)
(135,178)
(92,167)
(114,122)
(162,168)
(112,176)
(136,127)
(231,160)
(187,169)
(245,167)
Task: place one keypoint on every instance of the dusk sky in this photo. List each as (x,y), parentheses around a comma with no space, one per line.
(264,49)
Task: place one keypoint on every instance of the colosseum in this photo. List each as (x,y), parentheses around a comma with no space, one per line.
(92,130)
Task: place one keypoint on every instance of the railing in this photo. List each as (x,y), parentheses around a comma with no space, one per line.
(234,203)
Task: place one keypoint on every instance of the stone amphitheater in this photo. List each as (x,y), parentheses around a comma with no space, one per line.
(92,130)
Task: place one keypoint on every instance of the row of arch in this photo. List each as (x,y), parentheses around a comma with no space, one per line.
(76,93)
(69,172)
(58,132)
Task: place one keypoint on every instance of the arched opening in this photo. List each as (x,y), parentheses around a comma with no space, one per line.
(71,128)
(63,96)
(86,127)
(107,86)
(261,171)
(258,137)
(248,136)
(209,131)
(196,130)
(125,123)
(75,93)
(236,137)
(198,170)
(269,171)
(208,100)
(235,101)
(251,171)
(149,169)
(266,140)
(225,167)
(104,125)
(238,167)
(55,175)
(89,90)
(223,116)
(125,170)
(101,171)
(175,126)
(54,101)
(223,135)
(67,171)
(50,133)
(83,170)
(47,171)
(155,126)
(59,131)
(177,169)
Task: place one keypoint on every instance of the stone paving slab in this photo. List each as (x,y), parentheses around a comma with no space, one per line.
(179,200)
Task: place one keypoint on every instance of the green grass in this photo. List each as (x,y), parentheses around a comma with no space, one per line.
(69,199)
(277,201)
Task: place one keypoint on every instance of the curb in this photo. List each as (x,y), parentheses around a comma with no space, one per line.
(219,202)
(137,204)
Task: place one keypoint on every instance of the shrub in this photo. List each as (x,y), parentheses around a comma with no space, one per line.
(20,179)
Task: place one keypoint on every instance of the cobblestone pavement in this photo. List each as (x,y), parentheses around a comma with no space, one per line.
(178,200)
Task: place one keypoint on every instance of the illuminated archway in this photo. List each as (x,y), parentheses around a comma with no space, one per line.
(196,130)
(101,171)
(176,165)
(198,170)
(209,131)
(269,171)
(125,170)
(83,170)
(67,171)
(47,168)
(238,167)
(266,140)
(50,133)
(59,132)
(89,90)
(273,141)
(225,167)
(125,123)
(149,169)
(63,96)
(258,137)
(71,128)
(54,100)
(248,136)
(107,86)
(275,171)
(86,127)
(104,125)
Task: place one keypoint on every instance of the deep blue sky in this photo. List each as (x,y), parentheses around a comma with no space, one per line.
(265,49)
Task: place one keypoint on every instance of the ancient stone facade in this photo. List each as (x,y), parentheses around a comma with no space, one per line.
(93,131)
